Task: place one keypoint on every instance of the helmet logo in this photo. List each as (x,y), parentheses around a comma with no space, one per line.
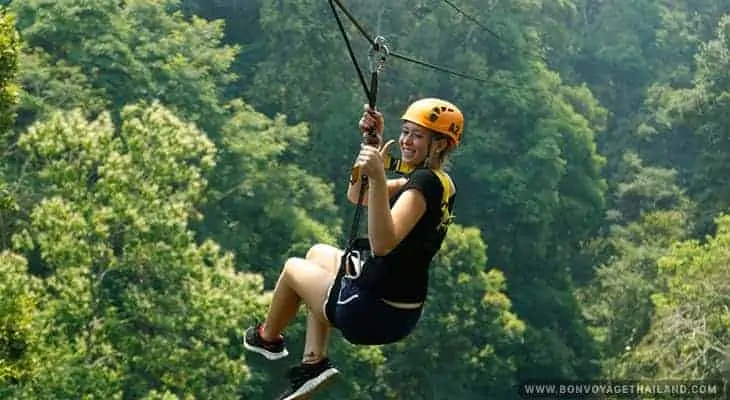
(434,115)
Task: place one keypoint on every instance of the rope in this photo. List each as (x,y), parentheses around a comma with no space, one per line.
(377,45)
(353,20)
(369,95)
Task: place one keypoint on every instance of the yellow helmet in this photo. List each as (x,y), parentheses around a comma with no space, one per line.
(437,115)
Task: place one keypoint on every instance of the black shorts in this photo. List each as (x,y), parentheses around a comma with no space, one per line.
(363,318)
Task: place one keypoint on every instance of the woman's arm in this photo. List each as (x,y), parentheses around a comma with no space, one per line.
(386,227)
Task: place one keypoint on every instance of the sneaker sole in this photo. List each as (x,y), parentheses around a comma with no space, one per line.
(314,385)
(269,355)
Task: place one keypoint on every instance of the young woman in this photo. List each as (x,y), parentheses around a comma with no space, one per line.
(378,297)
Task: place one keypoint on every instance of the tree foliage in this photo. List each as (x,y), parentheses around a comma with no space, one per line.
(689,333)
(128,300)
(161,160)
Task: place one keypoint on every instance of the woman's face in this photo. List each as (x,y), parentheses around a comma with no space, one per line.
(414,142)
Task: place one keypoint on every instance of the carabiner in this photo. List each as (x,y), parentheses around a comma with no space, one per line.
(379,46)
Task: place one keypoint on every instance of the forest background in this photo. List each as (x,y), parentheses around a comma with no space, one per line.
(162,159)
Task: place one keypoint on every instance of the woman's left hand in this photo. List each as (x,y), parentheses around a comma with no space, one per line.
(371,160)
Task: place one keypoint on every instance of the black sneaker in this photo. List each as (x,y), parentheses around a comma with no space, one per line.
(305,379)
(253,341)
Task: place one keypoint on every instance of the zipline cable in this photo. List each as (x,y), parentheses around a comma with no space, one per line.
(437,67)
(378,45)
(491,31)
(476,21)
(393,54)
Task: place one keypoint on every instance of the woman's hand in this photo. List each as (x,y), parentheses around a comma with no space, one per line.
(370,161)
(372,121)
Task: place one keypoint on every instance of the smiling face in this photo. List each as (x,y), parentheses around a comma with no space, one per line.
(430,122)
(414,142)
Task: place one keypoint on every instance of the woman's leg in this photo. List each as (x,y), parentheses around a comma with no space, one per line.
(318,328)
(305,280)
(302,280)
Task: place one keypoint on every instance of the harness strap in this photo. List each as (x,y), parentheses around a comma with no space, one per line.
(396,165)
(446,216)
(371,95)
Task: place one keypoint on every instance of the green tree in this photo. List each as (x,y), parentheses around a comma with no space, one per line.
(689,337)
(9,53)
(242,28)
(149,50)
(17,316)
(131,304)
(537,178)
(114,53)
(652,213)
(265,206)
(690,125)
(9,49)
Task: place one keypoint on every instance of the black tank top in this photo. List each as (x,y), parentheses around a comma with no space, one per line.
(406,266)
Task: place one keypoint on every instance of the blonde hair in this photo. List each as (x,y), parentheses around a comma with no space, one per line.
(443,155)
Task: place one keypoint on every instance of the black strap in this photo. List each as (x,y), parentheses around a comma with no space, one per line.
(368,93)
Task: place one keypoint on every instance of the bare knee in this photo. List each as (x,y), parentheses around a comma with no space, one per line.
(295,268)
(326,256)
(319,251)
(290,268)
(308,280)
